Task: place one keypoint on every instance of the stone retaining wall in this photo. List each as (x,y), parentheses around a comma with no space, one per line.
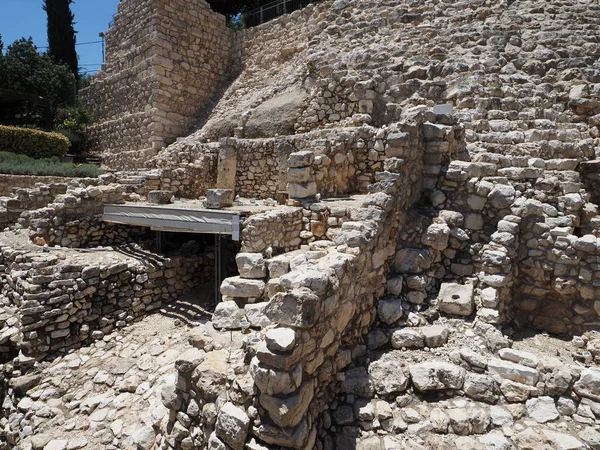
(64,301)
(9,182)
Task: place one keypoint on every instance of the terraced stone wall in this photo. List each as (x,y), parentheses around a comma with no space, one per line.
(62,301)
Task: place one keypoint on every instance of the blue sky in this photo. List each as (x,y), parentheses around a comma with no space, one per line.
(24,18)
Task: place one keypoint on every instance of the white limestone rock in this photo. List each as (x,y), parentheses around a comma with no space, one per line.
(588,384)
(232,426)
(514,372)
(542,409)
(281,340)
(436,375)
(520,357)
(456,299)
(251,265)
(227,316)
(255,314)
(242,288)
(387,376)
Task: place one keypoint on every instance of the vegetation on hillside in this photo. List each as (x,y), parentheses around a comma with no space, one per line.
(11,163)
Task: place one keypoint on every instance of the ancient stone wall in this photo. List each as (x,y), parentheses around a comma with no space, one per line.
(63,301)
(10,182)
(164,61)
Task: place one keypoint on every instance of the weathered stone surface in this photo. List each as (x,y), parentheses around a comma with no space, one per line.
(255,314)
(408,338)
(356,381)
(387,376)
(542,409)
(588,384)
(227,315)
(519,357)
(480,387)
(280,339)
(297,308)
(435,335)
(251,265)
(241,287)
(514,372)
(436,375)
(218,198)
(232,426)
(456,299)
(390,311)
(289,411)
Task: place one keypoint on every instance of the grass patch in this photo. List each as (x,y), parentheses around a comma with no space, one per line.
(11,163)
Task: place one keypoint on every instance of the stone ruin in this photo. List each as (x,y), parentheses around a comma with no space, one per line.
(418,263)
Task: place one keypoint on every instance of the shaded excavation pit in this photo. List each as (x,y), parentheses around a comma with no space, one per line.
(187,232)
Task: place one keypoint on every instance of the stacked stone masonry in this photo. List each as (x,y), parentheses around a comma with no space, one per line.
(164,61)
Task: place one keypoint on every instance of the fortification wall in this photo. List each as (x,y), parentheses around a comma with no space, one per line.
(164,61)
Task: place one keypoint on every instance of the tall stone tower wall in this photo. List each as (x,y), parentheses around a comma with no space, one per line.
(164,60)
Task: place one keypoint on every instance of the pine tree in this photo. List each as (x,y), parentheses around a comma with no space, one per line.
(61,34)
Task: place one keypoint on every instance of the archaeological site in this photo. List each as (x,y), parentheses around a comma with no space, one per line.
(362,225)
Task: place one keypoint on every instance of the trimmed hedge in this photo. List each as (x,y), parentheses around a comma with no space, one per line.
(33,143)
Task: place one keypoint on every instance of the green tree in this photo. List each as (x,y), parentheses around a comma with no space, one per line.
(61,34)
(24,70)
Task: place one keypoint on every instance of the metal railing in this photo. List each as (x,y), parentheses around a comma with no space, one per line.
(273,10)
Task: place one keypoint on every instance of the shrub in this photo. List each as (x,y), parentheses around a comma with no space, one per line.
(71,122)
(24,165)
(33,143)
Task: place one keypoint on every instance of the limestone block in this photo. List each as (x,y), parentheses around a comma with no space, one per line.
(436,375)
(456,299)
(407,338)
(390,311)
(386,376)
(412,260)
(520,357)
(588,384)
(515,372)
(227,315)
(435,335)
(242,287)
(356,381)
(316,281)
(542,409)
(278,266)
(160,197)
(280,339)
(232,426)
(394,285)
(218,198)
(297,308)
(301,159)
(255,314)
(251,265)
(275,382)
(436,236)
(289,411)
(296,190)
